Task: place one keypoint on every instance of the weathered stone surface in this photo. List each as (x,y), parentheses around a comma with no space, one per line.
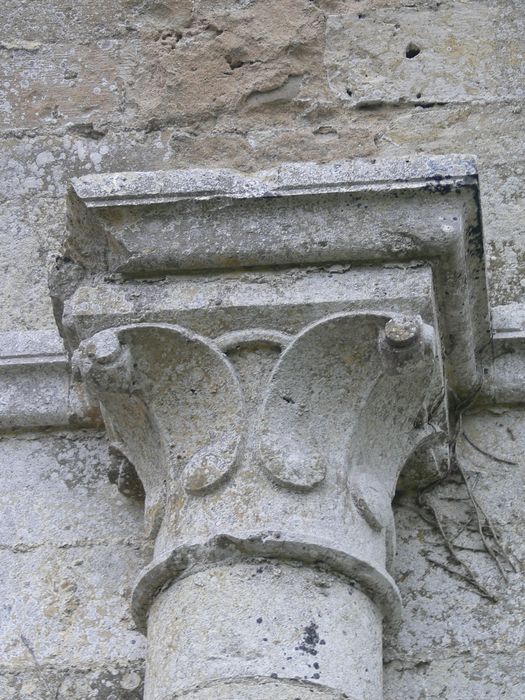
(285,630)
(239,56)
(70,549)
(505,384)
(51,22)
(110,682)
(38,87)
(174,124)
(65,476)
(443,54)
(172,416)
(400,211)
(64,601)
(35,386)
(248,85)
(466,644)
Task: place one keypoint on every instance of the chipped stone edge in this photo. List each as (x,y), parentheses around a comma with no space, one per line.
(505,381)
(125,188)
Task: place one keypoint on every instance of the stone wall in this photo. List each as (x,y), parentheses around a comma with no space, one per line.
(71,549)
(112,85)
(136,85)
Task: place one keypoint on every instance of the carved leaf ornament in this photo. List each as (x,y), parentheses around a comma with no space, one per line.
(339,385)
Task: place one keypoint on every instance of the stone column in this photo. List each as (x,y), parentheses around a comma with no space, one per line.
(268,462)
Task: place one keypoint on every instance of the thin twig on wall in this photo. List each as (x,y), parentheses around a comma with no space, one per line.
(483,523)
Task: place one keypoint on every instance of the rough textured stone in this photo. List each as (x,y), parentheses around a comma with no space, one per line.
(169,61)
(70,546)
(220,451)
(467,645)
(249,84)
(317,419)
(425,55)
(400,212)
(284,631)
(35,386)
(437,652)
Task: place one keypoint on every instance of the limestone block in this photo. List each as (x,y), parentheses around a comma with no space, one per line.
(54,21)
(122,681)
(34,380)
(307,295)
(65,601)
(65,479)
(36,87)
(427,56)
(70,549)
(432,653)
(244,57)
(25,238)
(486,676)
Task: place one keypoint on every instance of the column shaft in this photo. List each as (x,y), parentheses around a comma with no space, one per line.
(264,630)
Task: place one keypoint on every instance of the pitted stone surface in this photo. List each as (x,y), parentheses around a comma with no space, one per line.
(129,85)
(271,621)
(276,76)
(70,548)
(349,399)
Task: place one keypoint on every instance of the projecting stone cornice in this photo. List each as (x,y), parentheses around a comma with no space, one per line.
(113,234)
(423,210)
(35,384)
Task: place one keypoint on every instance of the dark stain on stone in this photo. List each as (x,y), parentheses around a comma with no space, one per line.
(86,130)
(441,188)
(475,241)
(310,640)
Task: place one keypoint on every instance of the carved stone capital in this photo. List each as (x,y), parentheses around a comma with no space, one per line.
(269,354)
(279,448)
